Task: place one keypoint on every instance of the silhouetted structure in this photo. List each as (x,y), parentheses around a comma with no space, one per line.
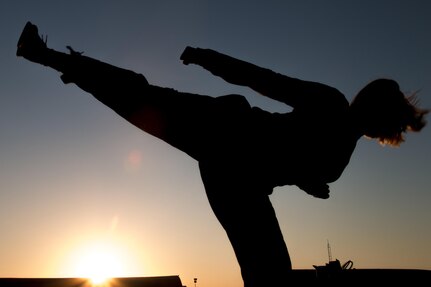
(303,277)
(243,151)
(162,281)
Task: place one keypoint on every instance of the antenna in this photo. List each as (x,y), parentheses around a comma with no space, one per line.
(329,251)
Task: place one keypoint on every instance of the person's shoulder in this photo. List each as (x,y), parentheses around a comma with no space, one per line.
(331,100)
(339,99)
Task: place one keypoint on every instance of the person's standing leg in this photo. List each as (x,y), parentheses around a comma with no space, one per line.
(250,222)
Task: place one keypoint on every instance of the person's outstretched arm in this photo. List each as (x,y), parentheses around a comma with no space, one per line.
(293,92)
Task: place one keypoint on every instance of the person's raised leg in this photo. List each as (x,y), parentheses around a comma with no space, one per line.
(183,120)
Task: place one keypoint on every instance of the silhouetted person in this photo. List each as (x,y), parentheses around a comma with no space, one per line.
(243,151)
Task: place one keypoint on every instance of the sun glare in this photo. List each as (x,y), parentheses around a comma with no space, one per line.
(99,263)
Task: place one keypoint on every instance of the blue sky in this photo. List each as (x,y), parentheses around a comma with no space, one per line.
(73,172)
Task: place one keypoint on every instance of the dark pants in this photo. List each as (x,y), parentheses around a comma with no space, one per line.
(214,131)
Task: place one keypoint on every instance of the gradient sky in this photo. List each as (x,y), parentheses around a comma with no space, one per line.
(73,174)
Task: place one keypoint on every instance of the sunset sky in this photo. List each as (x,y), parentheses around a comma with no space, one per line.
(77,182)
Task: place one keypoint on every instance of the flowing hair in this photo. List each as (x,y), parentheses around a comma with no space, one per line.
(387,113)
(411,118)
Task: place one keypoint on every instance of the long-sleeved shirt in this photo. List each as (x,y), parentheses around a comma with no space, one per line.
(308,147)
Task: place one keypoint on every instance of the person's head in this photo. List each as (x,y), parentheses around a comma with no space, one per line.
(383,112)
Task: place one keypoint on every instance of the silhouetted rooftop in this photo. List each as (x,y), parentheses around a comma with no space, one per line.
(305,277)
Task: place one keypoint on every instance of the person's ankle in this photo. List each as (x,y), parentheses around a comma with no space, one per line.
(31,46)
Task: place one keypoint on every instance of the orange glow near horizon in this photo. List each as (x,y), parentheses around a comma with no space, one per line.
(99,262)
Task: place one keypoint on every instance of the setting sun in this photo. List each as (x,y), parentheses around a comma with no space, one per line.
(99,262)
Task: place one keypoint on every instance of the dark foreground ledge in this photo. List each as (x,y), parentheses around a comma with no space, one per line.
(364,277)
(305,277)
(163,281)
